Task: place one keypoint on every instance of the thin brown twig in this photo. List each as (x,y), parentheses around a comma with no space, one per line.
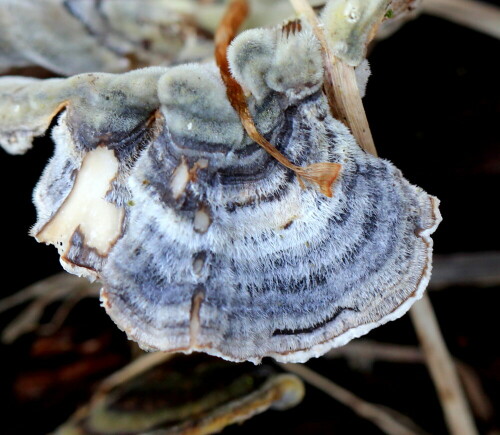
(131,370)
(58,287)
(391,422)
(341,86)
(323,174)
(477,269)
(474,14)
(371,351)
(456,409)
(480,402)
(367,352)
(64,310)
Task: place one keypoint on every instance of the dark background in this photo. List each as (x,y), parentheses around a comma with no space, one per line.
(433,105)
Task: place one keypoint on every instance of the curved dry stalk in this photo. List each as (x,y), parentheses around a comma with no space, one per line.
(341,86)
(477,269)
(372,351)
(474,14)
(442,369)
(57,285)
(323,174)
(63,311)
(389,421)
(367,352)
(131,370)
(62,286)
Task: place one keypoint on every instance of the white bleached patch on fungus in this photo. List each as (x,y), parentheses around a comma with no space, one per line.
(180,179)
(202,220)
(85,209)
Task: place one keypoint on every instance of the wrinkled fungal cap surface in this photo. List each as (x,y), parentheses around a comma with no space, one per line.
(74,36)
(350,25)
(203,241)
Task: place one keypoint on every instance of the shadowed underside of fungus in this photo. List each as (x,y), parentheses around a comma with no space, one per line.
(202,240)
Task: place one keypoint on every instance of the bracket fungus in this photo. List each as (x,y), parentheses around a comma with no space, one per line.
(185,396)
(202,240)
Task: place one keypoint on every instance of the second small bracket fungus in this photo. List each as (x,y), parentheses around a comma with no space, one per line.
(27,107)
(180,397)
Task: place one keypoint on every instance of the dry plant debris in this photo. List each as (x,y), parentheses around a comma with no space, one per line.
(194,395)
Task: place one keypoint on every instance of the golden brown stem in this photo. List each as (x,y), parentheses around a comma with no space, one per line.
(442,369)
(323,174)
(388,420)
(477,15)
(348,106)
